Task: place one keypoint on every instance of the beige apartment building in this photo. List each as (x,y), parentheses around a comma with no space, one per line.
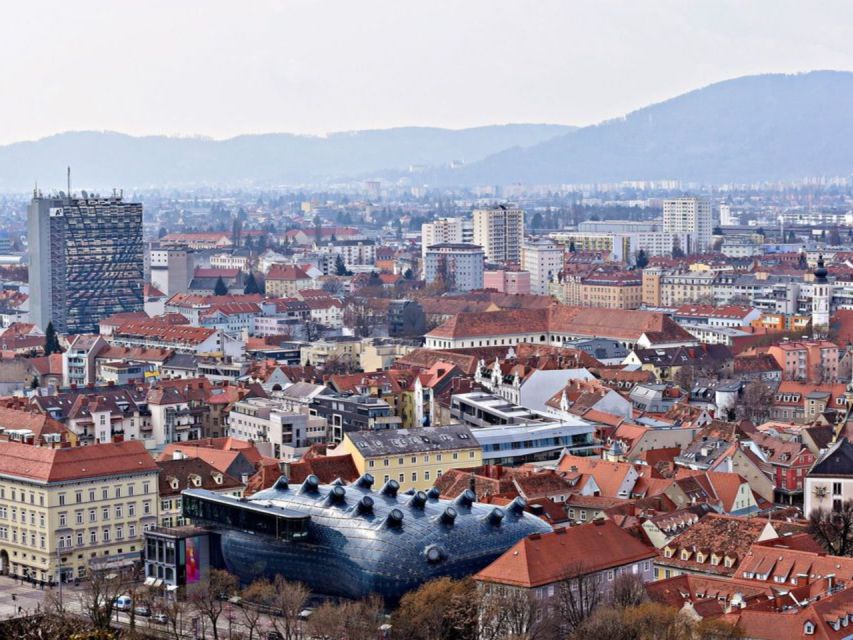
(500,231)
(616,290)
(676,289)
(64,510)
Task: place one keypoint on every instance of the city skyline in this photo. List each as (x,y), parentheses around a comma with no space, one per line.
(388,66)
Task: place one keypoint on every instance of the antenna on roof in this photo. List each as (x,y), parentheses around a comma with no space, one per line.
(69,180)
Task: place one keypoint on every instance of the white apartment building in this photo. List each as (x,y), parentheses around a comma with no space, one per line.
(543,259)
(440,231)
(691,216)
(727,218)
(267,420)
(354,252)
(500,231)
(171,269)
(459,265)
(620,226)
(226,260)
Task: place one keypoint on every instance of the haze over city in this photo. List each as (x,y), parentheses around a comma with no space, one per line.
(219,70)
(479,320)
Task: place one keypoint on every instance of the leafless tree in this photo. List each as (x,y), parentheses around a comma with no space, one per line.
(324,623)
(209,600)
(756,401)
(174,610)
(684,377)
(833,529)
(628,590)
(97,598)
(291,599)
(256,597)
(514,613)
(577,597)
(361,618)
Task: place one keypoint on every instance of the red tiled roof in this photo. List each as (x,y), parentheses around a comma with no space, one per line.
(54,465)
(582,321)
(542,559)
(287,272)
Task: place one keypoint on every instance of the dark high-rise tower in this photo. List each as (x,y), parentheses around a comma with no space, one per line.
(86,260)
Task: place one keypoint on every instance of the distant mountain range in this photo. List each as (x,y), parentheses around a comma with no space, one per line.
(756,128)
(105,159)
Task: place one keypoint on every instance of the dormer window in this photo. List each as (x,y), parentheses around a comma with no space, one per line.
(729,562)
(173,483)
(685,554)
(217,478)
(700,557)
(668,552)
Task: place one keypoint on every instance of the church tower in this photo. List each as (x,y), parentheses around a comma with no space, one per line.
(820,299)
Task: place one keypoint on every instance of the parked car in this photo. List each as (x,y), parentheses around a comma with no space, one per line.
(160,618)
(142,610)
(123,603)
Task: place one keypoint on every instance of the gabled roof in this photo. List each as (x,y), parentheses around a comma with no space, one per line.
(836,462)
(43,464)
(609,476)
(547,558)
(177,475)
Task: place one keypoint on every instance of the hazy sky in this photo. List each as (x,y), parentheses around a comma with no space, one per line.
(224,68)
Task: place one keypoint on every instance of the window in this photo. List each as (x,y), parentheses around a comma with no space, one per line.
(105,493)
(41,520)
(106,535)
(131,530)
(130,490)
(61,499)
(145,487)
(105,513)
(93,516)
(91,495)
(583,515)
(118,511)
(414,476)
(93,537)
(401,478)
(836,488)
(426,475)
(456,455)
(63,517)
(131,509)
(610,576)
(118,492)
(370,463)
(119,533)
(79,538)
(78,496)
(146,508)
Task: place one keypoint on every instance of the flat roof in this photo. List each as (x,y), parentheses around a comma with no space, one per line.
(256,507)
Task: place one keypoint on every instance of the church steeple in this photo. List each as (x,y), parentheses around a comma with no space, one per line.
(821,293)
(820,272)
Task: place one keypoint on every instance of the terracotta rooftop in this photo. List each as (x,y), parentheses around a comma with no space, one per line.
(44,464)
(543,559)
